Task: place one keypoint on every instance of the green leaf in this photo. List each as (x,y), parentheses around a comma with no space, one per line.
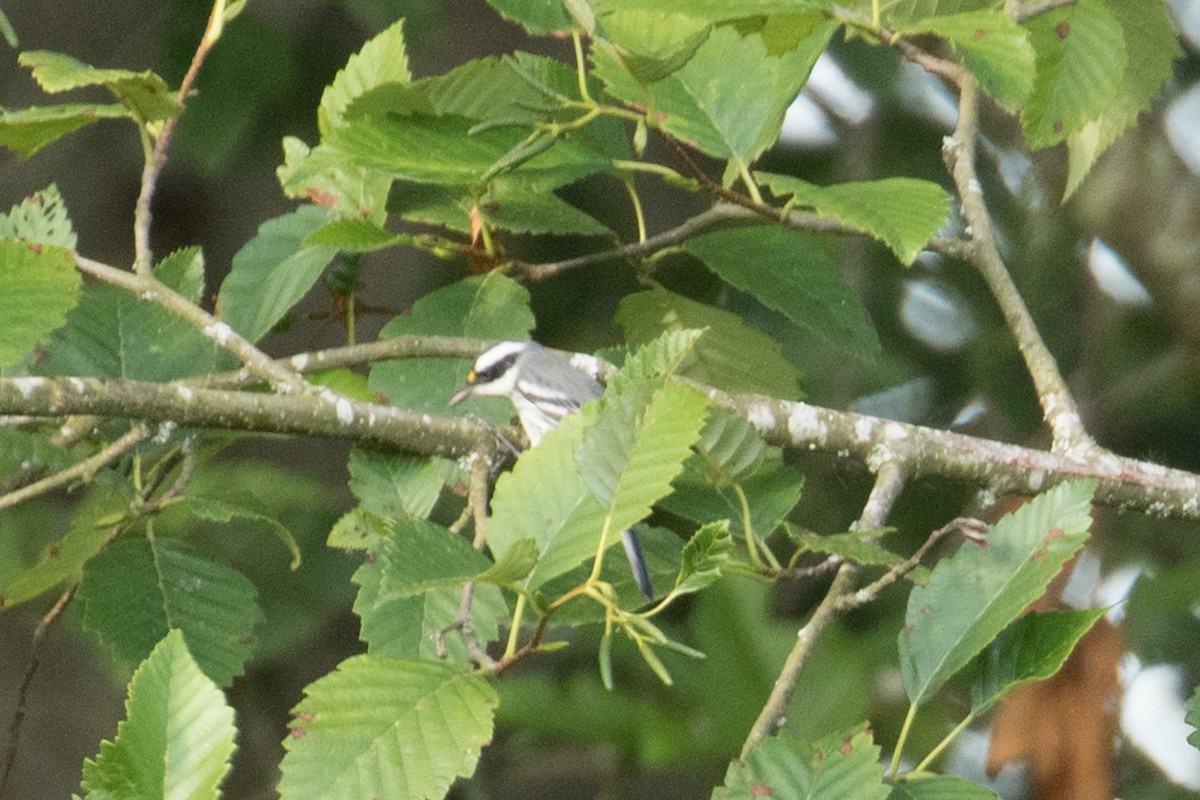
(394,486)
(903,13)
(42,218)
(902,213)
(526,211)
(30,129)
(788,272)
(539,17)
(359,529)
(273,271)
(730,356)
(704,556)
(481,307)
(421,555)
(355,236)
(939,787)
(112,333)
(771,492)
(429,149)
(324,177)
(63,558)
(38,286)
(345,382)
(1081,59)
(635,448)
(719,10)
(546,498)
(514,566)
(381,60)
(992,46)
(973,596)
(1152,46)
(730,447)
(177,738)
(734,476)
(137,591)
(406,626)
(379,727)
(223,511)
(728,100)
(1031,649)
(786,768)
(144,93)
(650,43)
(29,450)
(658,358)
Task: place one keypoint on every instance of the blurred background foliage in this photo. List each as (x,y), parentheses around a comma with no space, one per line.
(947,359)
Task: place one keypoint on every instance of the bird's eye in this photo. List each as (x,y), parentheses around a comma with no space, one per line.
(493,371)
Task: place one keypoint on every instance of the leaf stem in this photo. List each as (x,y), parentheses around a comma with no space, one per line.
(943,744)
(156,158)
(580,67)
(904,729)
(514,632)
(638,214)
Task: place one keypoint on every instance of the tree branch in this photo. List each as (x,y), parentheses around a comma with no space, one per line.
(1058,406)
(998,467)
(888,484)
(311,415)
(156,158)
(83,470)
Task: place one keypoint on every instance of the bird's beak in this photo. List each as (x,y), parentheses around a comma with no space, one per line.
(467,391)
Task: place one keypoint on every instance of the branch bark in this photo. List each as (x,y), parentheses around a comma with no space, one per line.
(998,467)
(310,415)
(888,483)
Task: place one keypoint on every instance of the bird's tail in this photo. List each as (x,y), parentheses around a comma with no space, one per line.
(637,562)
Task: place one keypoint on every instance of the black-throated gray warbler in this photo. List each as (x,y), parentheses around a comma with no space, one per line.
(543,388)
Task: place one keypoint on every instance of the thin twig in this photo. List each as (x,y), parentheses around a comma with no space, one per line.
(972,529)
(1058,405)
(14,728)
(399,347)
(157,158)
(83,470)
(732,213)
(888,483)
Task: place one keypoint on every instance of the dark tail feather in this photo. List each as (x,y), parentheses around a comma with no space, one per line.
(637,563)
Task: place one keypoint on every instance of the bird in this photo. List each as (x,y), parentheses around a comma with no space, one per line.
(543,388)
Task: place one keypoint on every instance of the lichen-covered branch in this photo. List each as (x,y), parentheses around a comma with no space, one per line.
(190,407)
(1058,406)
(1000,467)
